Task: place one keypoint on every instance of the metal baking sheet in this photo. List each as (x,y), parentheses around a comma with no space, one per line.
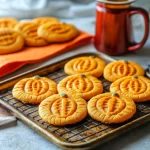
(83,135)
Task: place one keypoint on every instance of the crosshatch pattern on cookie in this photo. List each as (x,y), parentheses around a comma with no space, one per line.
(10,41)
(29,31)
(110,108)
(34,90)
(87,65)
(88,86)
(58,28)
(7,37)
(8,22)
(137,87)
(121,68)
(58,32)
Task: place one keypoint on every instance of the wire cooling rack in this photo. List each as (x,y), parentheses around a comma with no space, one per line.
(79,133)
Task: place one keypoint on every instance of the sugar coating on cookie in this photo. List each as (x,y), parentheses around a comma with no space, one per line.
(88,65)
(10,41)
(34,90)
(111,108)
(29,31)
(43,20)
(8,22)
(58,32)
(61,110)
(87,86)
(118,69)
(136,87)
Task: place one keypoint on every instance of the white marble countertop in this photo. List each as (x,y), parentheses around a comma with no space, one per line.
(21,137)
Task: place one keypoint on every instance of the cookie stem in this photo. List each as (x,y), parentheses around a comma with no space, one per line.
(135,76)
(82,75)
(64,95)
(36,76)
(126,61)
(92,56)
(114,94)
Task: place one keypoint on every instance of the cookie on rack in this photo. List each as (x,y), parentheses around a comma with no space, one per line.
(58,32)
(111,108)
(10,41)
(8,22)
(87,86)
(63,109)
(136,87)
(118,69)
(43,20)
(34,90)
(29,31)
(89,65)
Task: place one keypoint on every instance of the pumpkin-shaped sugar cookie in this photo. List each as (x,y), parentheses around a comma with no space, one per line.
(89,65)
(10,41)
(87,86)
(63,109)
(29,31)
(58,32)
(136,87)
(118,69)
(43,20)
(8,22)
(34,90)
(111,108)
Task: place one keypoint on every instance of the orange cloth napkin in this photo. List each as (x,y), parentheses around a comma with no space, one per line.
(12,62)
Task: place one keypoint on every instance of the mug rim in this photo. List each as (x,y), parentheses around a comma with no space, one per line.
(117,3)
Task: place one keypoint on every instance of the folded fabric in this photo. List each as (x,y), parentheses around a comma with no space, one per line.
(11,62)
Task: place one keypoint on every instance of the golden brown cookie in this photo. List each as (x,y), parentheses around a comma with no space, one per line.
(58,32)
(118,69)
(63,109)
(8,22)
(87,86)
(111,108)
(43,20)
(29,31)
(34,90)
(10,41)
(88,65)
(136,87)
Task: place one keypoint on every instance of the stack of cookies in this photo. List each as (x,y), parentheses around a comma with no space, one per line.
(81,92)
(14,35)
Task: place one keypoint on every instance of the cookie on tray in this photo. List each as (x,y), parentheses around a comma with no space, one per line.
(10,41)
(8,22)
(89,65)
(136,87)
(63,109)
(29,31)
(34,90)
(111,108)
(87,86)
(43,20)
(58,32)
(118,69)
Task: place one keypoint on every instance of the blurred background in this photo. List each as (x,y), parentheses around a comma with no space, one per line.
(26,9)
(81,13)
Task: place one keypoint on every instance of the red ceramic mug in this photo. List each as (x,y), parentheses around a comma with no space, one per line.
(114,26)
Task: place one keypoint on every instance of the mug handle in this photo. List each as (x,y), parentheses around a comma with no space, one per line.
(144,13)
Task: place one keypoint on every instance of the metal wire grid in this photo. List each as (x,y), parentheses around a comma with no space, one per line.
(84,131)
